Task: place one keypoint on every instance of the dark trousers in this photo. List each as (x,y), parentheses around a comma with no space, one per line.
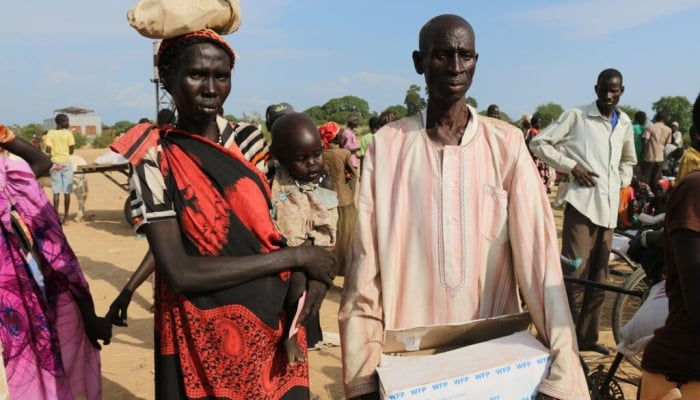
(651,172)
(583,239)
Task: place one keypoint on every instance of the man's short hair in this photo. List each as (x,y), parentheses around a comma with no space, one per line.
(426,30)
(608,74)
(60,117)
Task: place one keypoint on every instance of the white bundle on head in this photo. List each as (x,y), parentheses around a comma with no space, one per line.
(163,19)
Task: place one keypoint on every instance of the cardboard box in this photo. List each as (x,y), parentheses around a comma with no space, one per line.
(508,367)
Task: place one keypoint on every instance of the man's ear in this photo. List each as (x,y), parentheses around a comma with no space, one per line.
(418,62)
(622,90)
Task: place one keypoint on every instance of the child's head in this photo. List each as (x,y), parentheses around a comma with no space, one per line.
(297,146)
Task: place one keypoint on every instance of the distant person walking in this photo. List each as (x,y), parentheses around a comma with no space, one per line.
(655,137)
(638,126)
(349,141)
(60,144)
(542,167)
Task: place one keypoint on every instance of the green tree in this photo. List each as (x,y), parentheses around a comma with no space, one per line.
(317,114)
(413,100)
(629,110)
(230,118)
(122,126)
(105,139)
(399,110)
(339,109)
(472,102)
(28,131)
(549,112)
(676,108)
(80,140)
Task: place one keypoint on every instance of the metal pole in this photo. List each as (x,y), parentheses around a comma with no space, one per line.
(156,79)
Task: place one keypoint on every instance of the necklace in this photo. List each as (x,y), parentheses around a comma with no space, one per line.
(305,188)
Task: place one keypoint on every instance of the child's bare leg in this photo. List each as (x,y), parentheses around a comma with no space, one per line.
(297,286)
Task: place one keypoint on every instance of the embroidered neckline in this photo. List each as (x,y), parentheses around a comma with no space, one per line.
(308,187)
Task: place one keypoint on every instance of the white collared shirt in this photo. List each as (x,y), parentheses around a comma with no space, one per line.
(582,136)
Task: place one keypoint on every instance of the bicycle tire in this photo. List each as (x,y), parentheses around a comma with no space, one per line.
(621,258)
(127,211)
(625,306)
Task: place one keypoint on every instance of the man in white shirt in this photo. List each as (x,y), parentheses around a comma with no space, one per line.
(595,144)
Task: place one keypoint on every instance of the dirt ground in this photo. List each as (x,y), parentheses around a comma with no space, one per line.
(109,251)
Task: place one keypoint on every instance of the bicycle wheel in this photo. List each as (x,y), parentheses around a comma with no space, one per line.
(127,211)
(625,306)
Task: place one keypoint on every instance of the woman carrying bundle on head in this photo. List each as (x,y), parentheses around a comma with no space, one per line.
(222,270)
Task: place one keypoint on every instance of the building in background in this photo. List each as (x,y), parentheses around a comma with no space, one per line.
(82,121)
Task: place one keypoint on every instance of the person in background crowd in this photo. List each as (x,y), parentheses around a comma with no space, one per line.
(672,357)
(338,163)
(60,144)
(441,213)
(638,126)
(542,167)
(493,111)
(600,168)
(655,137)
(691,157)
(49,332)
(525,124)
(676,135)
(386,117)
(349,139)
(365,139)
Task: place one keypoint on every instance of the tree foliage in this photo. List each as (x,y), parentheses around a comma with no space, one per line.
(122,126)
(629,110)
(413,100)
(472,102)
(317,114)
(676,108)
(339,109)
(399,110)
(549,112)
(105,139)
(80,140)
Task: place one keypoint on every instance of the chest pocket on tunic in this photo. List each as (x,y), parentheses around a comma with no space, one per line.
(494,214)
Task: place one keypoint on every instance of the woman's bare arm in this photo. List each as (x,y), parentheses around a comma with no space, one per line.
(38,161)
(192,274)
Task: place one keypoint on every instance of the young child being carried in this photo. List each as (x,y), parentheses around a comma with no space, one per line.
(304,210)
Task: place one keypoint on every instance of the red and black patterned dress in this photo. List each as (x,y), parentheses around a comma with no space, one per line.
(225,344)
